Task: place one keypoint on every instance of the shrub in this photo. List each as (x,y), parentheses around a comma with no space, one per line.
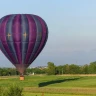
(2,91)
(14,90)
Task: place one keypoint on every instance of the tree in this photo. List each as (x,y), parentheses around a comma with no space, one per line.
(74,69)
(92,67)
(51,68)
(85,69)
(59,69)
(66,69)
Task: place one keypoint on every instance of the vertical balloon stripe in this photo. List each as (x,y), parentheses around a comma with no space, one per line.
(45,30)
(5,53)
(2,28)
(25,28)
(25,36)
(9,37)
(38,37)
(1,20)
(1,46)
(32,37)
(3,38)
(32,28)
(39,28)
(16,28)
(44,38)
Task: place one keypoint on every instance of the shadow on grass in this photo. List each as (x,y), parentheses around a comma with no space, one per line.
(56,81)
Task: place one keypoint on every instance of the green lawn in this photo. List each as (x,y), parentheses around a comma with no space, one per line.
(54,85)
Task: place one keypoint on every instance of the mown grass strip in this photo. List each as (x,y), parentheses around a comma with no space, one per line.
(75,91)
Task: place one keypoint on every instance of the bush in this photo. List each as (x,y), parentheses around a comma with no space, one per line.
(2,91)
(14,90)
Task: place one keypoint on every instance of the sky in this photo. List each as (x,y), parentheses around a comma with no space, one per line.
(71,25)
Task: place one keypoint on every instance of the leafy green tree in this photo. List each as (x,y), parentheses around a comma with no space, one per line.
(84,69)
(74,69)
(59,69)
(51,68)
(66,69)
(92,68)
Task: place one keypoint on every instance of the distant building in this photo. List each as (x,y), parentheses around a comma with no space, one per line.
(40,67)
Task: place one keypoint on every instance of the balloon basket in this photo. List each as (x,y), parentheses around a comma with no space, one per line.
(21,78)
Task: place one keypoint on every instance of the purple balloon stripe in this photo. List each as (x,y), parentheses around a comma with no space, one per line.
(8,58)
(32,37)
(16,28)
(3,39)
(3,29)
(32,29)
(44,28)
(4,52)
(2,47)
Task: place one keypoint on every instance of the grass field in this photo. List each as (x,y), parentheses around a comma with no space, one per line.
(54,85)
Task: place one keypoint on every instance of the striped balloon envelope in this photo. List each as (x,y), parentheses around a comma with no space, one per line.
(22,38)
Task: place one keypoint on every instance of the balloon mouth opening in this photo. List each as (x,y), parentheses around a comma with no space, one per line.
(21,75)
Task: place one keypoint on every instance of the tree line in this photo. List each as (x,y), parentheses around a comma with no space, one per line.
(71,69)
(52,69)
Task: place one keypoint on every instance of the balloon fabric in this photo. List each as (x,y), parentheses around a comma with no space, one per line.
(22,38)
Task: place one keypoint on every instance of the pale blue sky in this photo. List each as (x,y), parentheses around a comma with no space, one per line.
(71,24)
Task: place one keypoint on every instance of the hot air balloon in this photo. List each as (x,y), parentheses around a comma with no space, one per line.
(22,38)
